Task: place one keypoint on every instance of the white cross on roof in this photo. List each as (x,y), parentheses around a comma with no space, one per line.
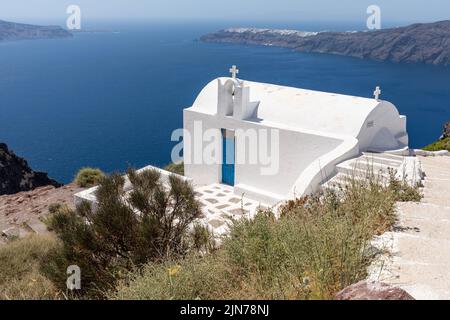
(377,93)
(234,71)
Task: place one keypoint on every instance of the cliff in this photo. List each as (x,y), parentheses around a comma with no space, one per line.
(17,176)
(446,132)
(427,43)
(444,141)
(10,31)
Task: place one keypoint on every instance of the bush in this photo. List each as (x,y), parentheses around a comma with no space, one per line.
(55,207)
(403,191)
(88,177)
(114,239)
(443,144)
(177,168)
(20,276)
(318,246)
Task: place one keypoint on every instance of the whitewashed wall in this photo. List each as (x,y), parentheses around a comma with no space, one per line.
(384,129)
(297,150)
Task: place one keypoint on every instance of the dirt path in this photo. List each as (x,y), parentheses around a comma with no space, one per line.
(420,246)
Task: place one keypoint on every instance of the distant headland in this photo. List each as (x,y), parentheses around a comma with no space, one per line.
(427,43)
(11,31)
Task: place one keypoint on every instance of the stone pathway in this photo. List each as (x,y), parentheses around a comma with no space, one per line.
(220,205)
(420,244)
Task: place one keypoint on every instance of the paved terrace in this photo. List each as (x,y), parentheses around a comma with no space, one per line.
(220,205)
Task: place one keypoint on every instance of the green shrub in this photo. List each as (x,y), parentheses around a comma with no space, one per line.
(439,145)
(114,239)
(88,177)
(318,246)
(177,168)
(20,275)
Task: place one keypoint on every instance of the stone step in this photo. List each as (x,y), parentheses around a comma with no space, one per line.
(362,172)
(331,186)
(386,156)
(425,227)
(425,211)
(341,179)
(419,248)
(339,182)
(380,159)
(430,198)
(37,226)
(420,260)
(367,165)
(440,163)
(422,281)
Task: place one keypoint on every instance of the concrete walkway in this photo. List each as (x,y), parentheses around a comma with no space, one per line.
(420,244)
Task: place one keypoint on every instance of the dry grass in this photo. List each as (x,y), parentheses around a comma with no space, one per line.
(317,247)
(20,276)
(439,145)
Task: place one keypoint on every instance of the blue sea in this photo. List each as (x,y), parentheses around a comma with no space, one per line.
(111,99)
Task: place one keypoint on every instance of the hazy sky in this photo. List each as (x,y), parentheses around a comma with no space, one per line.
(251,10)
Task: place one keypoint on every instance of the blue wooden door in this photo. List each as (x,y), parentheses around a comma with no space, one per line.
(228,157)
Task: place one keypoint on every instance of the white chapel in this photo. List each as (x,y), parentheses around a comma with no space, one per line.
(279,142)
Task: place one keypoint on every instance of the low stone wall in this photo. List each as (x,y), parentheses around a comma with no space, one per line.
(89,194)
(424,153)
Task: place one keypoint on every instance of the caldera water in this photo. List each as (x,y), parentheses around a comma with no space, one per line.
(111,99)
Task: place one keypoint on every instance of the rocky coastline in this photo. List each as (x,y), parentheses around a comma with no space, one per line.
(427,43)
(11,31)
(17,176)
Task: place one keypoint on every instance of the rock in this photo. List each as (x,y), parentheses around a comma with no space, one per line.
(11,232)
(446,133)
(418,43)
(17,176)
(37,226)
(14,232)
(364,290)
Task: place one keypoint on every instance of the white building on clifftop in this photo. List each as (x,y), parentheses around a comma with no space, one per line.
(308,132)
(248,145)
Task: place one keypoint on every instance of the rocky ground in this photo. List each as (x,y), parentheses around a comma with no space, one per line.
(21,214)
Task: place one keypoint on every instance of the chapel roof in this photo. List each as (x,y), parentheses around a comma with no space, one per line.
(298,108)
